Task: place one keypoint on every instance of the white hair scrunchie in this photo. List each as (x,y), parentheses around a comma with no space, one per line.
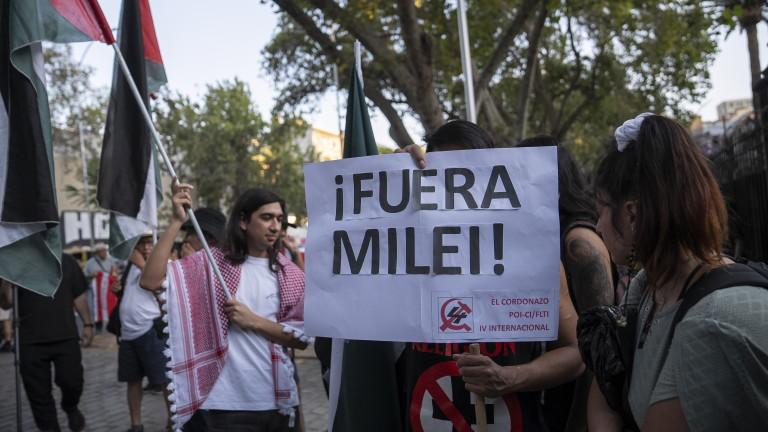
(629,130)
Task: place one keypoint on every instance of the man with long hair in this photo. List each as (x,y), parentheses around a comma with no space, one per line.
(237,346)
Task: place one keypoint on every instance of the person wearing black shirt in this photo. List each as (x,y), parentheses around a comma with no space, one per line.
(48,335)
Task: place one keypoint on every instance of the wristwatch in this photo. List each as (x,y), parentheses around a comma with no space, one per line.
(88,325)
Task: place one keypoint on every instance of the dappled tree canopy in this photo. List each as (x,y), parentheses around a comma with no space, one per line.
(78,111)
(74,102)
(569,68)
(222,146)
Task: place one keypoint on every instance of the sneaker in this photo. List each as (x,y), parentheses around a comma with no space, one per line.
(76,420)
(136,428)
(6,345)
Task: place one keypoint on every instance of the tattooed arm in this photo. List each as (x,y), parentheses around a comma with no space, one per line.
(589,268)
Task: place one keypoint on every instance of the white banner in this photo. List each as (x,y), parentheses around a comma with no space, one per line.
(80,227)
(465,250)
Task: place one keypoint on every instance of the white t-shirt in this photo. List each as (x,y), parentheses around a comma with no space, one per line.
(245,382)
(138,307)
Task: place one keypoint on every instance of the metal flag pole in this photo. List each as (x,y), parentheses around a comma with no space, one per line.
(466,61)
(168,164)
(86,192)
(338,104)
(359,61)
(338,107)
(17,356)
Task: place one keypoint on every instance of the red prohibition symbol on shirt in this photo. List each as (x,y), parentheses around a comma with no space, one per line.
(429,390)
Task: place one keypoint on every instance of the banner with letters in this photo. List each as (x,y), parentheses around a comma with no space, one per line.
(82,227)
(464,250)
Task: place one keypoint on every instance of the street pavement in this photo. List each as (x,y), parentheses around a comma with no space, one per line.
(104,403)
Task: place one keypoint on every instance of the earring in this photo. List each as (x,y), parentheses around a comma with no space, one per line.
(632,257)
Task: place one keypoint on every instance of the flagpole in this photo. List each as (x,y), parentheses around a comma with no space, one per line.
(168,164)
(86,193)
(338,107)
(16,356)
(359,61)
(466,62)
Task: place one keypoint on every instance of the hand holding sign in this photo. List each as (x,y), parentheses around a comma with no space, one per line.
(416,152)
(483,376)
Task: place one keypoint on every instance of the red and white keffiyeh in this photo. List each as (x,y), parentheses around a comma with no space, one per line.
(198,328)
(104,300)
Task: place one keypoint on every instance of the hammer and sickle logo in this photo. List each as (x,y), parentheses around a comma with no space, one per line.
(452,319)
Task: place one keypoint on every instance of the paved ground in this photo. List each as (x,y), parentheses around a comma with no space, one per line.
(103,401)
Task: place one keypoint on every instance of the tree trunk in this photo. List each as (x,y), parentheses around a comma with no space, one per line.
(754,53)
(749,20)
(526,86)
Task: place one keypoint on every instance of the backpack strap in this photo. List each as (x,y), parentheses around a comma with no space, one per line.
(123,280)
(737,274)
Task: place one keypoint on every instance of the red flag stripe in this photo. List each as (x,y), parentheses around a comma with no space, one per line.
(149,38)
(86,16)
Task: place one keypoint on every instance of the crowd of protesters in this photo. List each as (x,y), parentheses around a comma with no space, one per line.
(671,350)
(681,352)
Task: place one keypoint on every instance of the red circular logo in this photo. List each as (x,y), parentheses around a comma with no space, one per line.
(453,315)
(433,391)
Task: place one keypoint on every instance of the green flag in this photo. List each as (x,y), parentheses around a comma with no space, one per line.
(367,397)
(358,135)
(30,244)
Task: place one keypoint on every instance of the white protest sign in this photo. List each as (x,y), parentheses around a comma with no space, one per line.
(465,250)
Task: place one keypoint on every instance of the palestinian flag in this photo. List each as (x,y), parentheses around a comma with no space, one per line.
(363,388)
(129,178)
(30,244)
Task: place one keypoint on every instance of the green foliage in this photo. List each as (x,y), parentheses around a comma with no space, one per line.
(78,111)
(282,163)
(72,99)
(223,146)
(597,62)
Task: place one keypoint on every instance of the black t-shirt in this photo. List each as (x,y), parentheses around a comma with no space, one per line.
(435,398)
(45,319)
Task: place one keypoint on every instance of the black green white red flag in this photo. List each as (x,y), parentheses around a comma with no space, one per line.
(129,176)
(30,244)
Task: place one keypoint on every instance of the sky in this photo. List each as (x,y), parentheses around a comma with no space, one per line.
(203,44)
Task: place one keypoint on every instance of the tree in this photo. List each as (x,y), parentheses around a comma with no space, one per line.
(223,146)
(77,108)
(282,163)
(748,14)
(568,68)
(72,98)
